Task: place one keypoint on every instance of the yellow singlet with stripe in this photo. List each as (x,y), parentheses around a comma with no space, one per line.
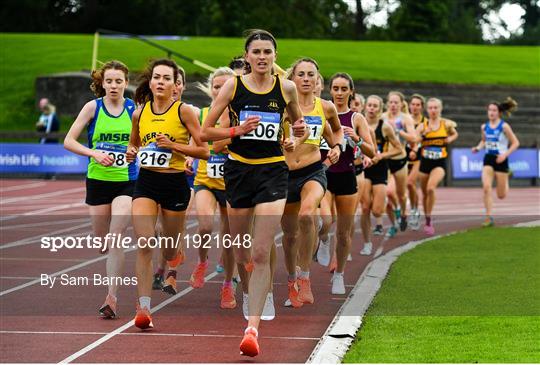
(434,142)
(168,123)
(316,122)
(210,173)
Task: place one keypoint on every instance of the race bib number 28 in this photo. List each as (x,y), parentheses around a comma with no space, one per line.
(154,156)
(268,128)
(115,151)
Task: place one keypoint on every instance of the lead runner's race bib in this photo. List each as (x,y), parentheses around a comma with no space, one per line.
(432,153)
(314,122)
(153,156)
(115,151)
(268,128)
(215,166)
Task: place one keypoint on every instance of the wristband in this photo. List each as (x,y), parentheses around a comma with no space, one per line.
(337,144)
(360,142)
(231,132)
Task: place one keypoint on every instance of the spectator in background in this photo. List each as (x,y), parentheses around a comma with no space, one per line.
(48,121)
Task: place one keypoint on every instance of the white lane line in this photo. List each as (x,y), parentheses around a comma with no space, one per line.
(18,277)
(121,329)
(152,334)
(41,211)
(72,268)
(35,239)
(40,259)
(44,224)
(21,187)
(40,196)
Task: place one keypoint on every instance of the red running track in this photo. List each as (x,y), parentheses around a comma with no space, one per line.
(42,324)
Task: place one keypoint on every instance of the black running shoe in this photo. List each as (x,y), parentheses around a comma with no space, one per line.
(378,231)
(158,282)
(403,224)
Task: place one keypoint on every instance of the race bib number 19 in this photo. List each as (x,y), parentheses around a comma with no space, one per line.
(154,156)
(215,166)
(115,151)
(268,128)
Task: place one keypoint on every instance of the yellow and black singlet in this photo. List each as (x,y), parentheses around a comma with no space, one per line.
(434,142)
(168,123)
(210,173)
(263,145)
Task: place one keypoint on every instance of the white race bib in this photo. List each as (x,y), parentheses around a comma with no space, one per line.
(432,153)
(315,128)
(154,156)
(215,166)
(115,151)
(268,128)
(492,145)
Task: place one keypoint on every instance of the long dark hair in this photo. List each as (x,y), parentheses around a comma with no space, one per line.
(143,92)
(347,77)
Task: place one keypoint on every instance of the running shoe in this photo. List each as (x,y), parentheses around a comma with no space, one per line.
(414,220)
(108,309)
(366,250)
(228,301)
(392,231)
(249,345)
(349,257)
(269,311)
(403,223)
(157,284)
(429,229)
(489,222)
(143,319)
(169,286)
(338,284)
(305,295)
(245,305)
(378,230)
(178,260)
(219,268)
(323,253)
(197,277)
(293,295)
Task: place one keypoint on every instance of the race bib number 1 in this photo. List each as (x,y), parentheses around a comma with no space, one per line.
(215,166)
(315,128)
(115,151)
(268,128)
(154,156)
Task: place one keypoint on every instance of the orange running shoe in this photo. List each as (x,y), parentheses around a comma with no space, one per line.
(169,285)
(228,301)
(333,264)
(305,295)
(178,260)
(249,345)
(249,266)
(197,277)
(108,309)
(293,294)
(143,319)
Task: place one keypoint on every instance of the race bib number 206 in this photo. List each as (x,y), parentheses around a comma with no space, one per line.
(268,128)
(154,156)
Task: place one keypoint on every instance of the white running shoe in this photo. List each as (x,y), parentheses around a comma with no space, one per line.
(349,257)
(245,305)
(269,311)
(323,253)
(287,303)
(338,284)
(366,250)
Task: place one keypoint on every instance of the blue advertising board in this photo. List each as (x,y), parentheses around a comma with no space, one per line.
(468,165)
(40,158)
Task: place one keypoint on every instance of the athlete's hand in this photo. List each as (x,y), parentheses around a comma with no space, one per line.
(299,128)
(376,158)
(349,132)
(367,162)
(249,125)
(131,153)
(333,154)
(188,166)
(475,149)
(500,158)
(102,158)
(163,141)
(288,145)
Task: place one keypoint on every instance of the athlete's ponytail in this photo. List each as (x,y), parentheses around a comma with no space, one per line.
(98,75)
(347,77)
(143,93)
(506,107)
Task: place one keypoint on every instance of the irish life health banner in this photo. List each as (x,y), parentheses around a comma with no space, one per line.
(40,158)
(467,165)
